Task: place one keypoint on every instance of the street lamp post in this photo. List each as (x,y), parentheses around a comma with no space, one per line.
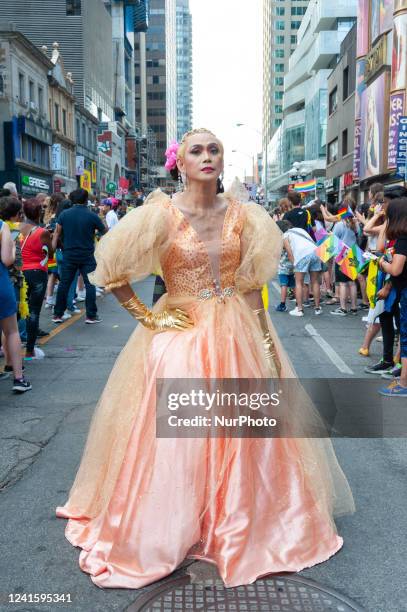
(251,157)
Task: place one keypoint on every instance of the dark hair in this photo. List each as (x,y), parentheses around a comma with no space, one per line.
(32,209)
(396,218)
(63,205)
(4,193)
(316,212)
(284,225)
(9,207)
(395,191)
(175,174)
(294,198)
(79,196)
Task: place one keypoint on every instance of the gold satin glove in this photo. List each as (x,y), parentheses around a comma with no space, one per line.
(161,321)
(268,344)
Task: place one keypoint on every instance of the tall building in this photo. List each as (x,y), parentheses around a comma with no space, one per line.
(83,29)
(302,133)
(184,68)
(381,93)
(281,21)
(160,83)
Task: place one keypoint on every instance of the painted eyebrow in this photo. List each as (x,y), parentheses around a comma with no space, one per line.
(212,144)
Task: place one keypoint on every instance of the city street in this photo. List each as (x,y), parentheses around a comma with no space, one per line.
(43,433)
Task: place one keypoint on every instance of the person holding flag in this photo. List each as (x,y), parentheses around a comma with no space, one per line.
(346,231)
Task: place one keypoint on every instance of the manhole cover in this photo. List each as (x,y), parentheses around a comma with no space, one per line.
(274,594)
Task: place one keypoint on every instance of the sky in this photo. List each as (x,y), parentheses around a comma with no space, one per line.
(227,77)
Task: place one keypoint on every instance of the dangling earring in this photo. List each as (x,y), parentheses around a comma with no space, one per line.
(184,181)
(220,183)
(180,185)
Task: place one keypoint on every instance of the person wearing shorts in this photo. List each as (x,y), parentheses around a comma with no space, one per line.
(301,251)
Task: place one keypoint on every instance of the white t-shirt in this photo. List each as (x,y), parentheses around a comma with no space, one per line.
(111,219)
(301,243)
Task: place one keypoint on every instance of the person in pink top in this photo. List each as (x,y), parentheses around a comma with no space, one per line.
(36,250)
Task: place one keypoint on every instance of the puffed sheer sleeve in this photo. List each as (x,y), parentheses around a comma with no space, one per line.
(131,250)
(261,245)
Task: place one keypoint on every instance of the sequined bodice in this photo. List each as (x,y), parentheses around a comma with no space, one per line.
(192,267)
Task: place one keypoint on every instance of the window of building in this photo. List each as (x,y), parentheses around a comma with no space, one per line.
(333,151)
(298,10)
(56,116)
(78,131)
(293,39)
(280,25)
(278,67)
(345,83)
(89,138)
(278,109)
(277,123)
(295,25)
(278,52)
(278,95)
(279,81)
(31,93)
(280,11)
(21,88)
(73,7)
(64,127)
(333,100)
(345,150)
(40,99)
(279,39)
(1,84)
(83,135)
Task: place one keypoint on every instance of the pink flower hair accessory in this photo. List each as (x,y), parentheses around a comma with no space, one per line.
(171,155)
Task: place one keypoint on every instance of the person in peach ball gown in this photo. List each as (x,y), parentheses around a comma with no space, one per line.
(141,504)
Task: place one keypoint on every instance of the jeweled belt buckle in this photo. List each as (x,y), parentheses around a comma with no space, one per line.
(221,294)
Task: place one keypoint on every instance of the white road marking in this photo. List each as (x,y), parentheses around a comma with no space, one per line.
(328,350)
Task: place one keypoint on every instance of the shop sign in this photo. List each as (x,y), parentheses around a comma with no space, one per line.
(57,185)
(34,184)
(376,59)
(329,185)
(356,153)
(86,180)
(111,187)
(35,130)
(402,147)
(348,179)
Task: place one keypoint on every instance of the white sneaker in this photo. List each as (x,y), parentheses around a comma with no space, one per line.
(81,296)
(296,312)
(66,316)
(318,311)
(75,311)
(39,354)
(50,301)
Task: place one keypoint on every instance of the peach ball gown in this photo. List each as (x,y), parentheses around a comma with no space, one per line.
(140,504)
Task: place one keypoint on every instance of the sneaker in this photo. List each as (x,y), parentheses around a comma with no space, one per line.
(57,320)
(363,306)
(364,352)
(91,320)
(74,311)
(42,334)
(21,385)
(281,307)
(36,354)
(306,304)
(66,316)
(340,312)
(4,375)
(296,312)
(394,391)
(9,368)
(379,368)
(50,302)
(353,311)
(318,311)
(394,373)
(80,297)
(379,339)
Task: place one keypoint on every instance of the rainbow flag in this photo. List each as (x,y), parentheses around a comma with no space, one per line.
(320,232)
(305,187)
(328,248)
(344,212)
(343,251)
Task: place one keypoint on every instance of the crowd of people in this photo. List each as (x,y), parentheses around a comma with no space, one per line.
(379,229)
(47,253)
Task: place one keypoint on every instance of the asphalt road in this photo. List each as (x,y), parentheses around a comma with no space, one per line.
(43,432)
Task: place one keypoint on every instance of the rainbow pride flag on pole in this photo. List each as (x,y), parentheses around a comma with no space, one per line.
(305,187)
(344,212)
